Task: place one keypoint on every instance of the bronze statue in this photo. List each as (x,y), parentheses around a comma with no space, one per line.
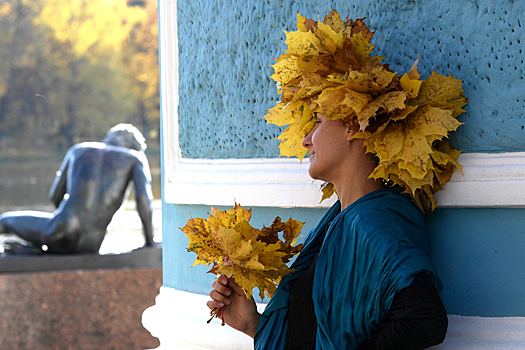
(89,188)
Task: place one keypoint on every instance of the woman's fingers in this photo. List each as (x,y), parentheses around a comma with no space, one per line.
(219,297)
(219,293)
(212,304)
(235,287)
(221,285)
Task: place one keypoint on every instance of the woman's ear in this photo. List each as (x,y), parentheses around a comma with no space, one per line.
(352,128)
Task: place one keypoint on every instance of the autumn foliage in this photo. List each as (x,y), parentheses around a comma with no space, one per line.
(257,258)
(69,70)
(328,68)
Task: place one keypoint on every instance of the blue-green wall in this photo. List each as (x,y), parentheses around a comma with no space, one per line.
(226,47)
(480,256)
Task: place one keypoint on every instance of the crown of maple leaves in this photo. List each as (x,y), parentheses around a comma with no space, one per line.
(327,68)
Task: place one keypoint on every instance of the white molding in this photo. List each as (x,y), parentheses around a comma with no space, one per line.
(250,182)
(179,318)
(488,180)
(169,80)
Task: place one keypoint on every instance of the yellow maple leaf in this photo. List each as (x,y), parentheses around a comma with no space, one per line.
(282,114)
(385,103)
(328,190)
(293,67)
(335,39)
(197,231)
(410,85)
(438,88)
(340,102)
(333,19)
(292,137)
(300,23)
(363,48)
(303,43)
(407,145)
(256,258)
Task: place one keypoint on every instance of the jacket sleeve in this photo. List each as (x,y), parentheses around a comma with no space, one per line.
(417,319)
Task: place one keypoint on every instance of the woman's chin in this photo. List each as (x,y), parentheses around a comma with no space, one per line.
(313,174)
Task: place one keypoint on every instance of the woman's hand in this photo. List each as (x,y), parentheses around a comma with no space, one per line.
(239,312)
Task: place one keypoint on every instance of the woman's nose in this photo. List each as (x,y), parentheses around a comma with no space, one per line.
(307,141)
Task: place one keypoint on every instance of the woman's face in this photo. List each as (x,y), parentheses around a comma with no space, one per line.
(328,144)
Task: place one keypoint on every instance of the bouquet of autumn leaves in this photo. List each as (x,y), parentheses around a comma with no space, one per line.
(257,258)
(327,68)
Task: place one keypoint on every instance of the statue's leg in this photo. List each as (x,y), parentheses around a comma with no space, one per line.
(28,225)
(91,241)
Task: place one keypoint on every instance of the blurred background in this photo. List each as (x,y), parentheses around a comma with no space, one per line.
(70,70)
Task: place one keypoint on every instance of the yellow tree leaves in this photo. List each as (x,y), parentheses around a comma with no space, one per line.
(328,68)
(410,145)
(87,26)
(257,258)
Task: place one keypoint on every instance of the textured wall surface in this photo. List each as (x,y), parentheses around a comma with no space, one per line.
(226,48)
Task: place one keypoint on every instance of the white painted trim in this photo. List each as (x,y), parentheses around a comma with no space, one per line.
(179,318)
(169,80)
(250,182)
(476,333)
(488,180)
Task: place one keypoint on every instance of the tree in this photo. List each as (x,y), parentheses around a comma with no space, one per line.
(70,69)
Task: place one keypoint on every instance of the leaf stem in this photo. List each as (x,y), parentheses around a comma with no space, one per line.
(217,312)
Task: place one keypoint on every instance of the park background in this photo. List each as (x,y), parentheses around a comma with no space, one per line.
(70,70)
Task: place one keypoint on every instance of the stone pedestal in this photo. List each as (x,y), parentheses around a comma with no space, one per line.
(98,308)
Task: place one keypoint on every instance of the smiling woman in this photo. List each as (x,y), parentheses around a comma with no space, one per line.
(219,104)
(372,233)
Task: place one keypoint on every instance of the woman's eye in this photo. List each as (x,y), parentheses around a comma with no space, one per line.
(318,121)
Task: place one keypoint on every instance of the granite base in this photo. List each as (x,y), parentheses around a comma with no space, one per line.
(77,309)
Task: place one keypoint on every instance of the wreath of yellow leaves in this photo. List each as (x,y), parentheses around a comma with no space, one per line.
(404,121)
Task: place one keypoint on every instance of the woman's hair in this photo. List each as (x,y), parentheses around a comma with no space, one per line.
(125,135)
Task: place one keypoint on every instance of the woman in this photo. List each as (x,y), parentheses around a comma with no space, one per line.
(363,279)
(405,313)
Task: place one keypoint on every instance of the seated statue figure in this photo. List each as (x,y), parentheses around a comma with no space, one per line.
(89,188)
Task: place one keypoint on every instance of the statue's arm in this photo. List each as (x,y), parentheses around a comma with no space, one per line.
(144,197)
(59,186)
